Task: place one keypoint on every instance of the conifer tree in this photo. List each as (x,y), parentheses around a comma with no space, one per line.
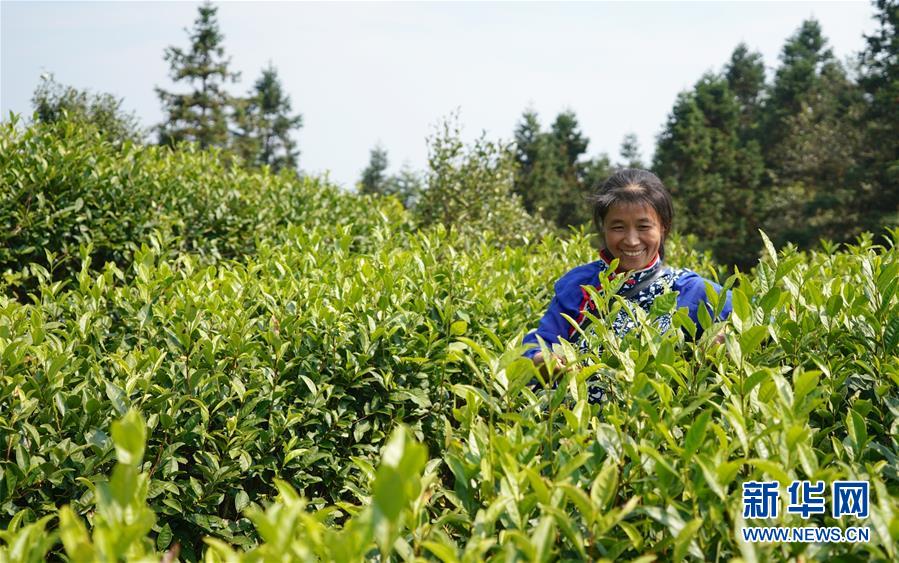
(811,141)
(200,115)
(630,152)
(374,177)
(530,155)
(265,124)
(407,186)
(550,177)
(745,74)
(712,174)
(880,81)
(803,58)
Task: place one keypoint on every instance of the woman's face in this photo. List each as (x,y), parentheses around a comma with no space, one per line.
(633,234)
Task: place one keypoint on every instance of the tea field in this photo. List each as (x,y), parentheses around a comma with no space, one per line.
(203,362)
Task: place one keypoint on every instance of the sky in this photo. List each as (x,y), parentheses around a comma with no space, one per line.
(372,73)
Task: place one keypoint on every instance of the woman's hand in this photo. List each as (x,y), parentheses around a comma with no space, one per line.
(558,364)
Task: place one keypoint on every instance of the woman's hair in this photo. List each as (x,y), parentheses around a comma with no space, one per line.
(631,186)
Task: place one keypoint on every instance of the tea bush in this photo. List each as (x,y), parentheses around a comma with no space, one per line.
(337,386)
(64,186)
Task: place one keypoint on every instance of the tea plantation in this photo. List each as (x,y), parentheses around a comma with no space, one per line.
(203,362)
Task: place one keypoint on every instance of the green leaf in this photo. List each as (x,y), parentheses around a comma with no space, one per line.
(855,423)
(755,379)
(696,434)
(74,536)
(741,309)
(129,434)
(543,538)
(241,501)
(769,248)
(804,383)
(891,336)
(397,476)
(684,541)
(703,316)
(458,328)
(164,538)
(118,398)
(751,338)
(309,384)
(605,486)
(443,552)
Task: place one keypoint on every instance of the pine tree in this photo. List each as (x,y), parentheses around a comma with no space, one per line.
(879,78)
(803,58)
(201,115)
(407,186)
(569,142)
(811,141)
(630,152)
(529,155)
(713,177)
(374,178)
(265,125)
(551,177)
(745,74)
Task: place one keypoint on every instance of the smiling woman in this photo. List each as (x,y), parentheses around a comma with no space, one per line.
(633,211)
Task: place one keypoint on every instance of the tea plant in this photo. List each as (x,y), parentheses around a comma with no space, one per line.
(276,354)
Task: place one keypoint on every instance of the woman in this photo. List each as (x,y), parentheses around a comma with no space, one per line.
(633,211)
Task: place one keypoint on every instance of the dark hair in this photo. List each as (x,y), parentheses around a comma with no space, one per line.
(631,186)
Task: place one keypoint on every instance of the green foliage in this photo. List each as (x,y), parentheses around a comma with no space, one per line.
(407,186)
(809,156)
(551,179)
(745,74)
(265,125)
(201,115)
(879,78)
(69,192)
(630,152)
(713,171)
(469,188)
(272,386)
(54,102)
(812,141)
(374,177)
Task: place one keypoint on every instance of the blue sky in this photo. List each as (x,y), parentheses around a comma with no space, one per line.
(367,73)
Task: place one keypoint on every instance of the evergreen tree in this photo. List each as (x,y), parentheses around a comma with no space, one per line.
(550,177)
(879,78)
(596,171)
(712,175)
(569,142)
(374,177)
(812,140)
(630,152)
(745,74)
(201,115)
(803,58)
(265,125)
(531,157)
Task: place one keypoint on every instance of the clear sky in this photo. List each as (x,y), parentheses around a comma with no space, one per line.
(367,73)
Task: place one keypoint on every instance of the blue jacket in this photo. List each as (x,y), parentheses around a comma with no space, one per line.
(571,299)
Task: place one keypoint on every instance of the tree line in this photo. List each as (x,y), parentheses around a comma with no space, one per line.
(811,153)
(256,128)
